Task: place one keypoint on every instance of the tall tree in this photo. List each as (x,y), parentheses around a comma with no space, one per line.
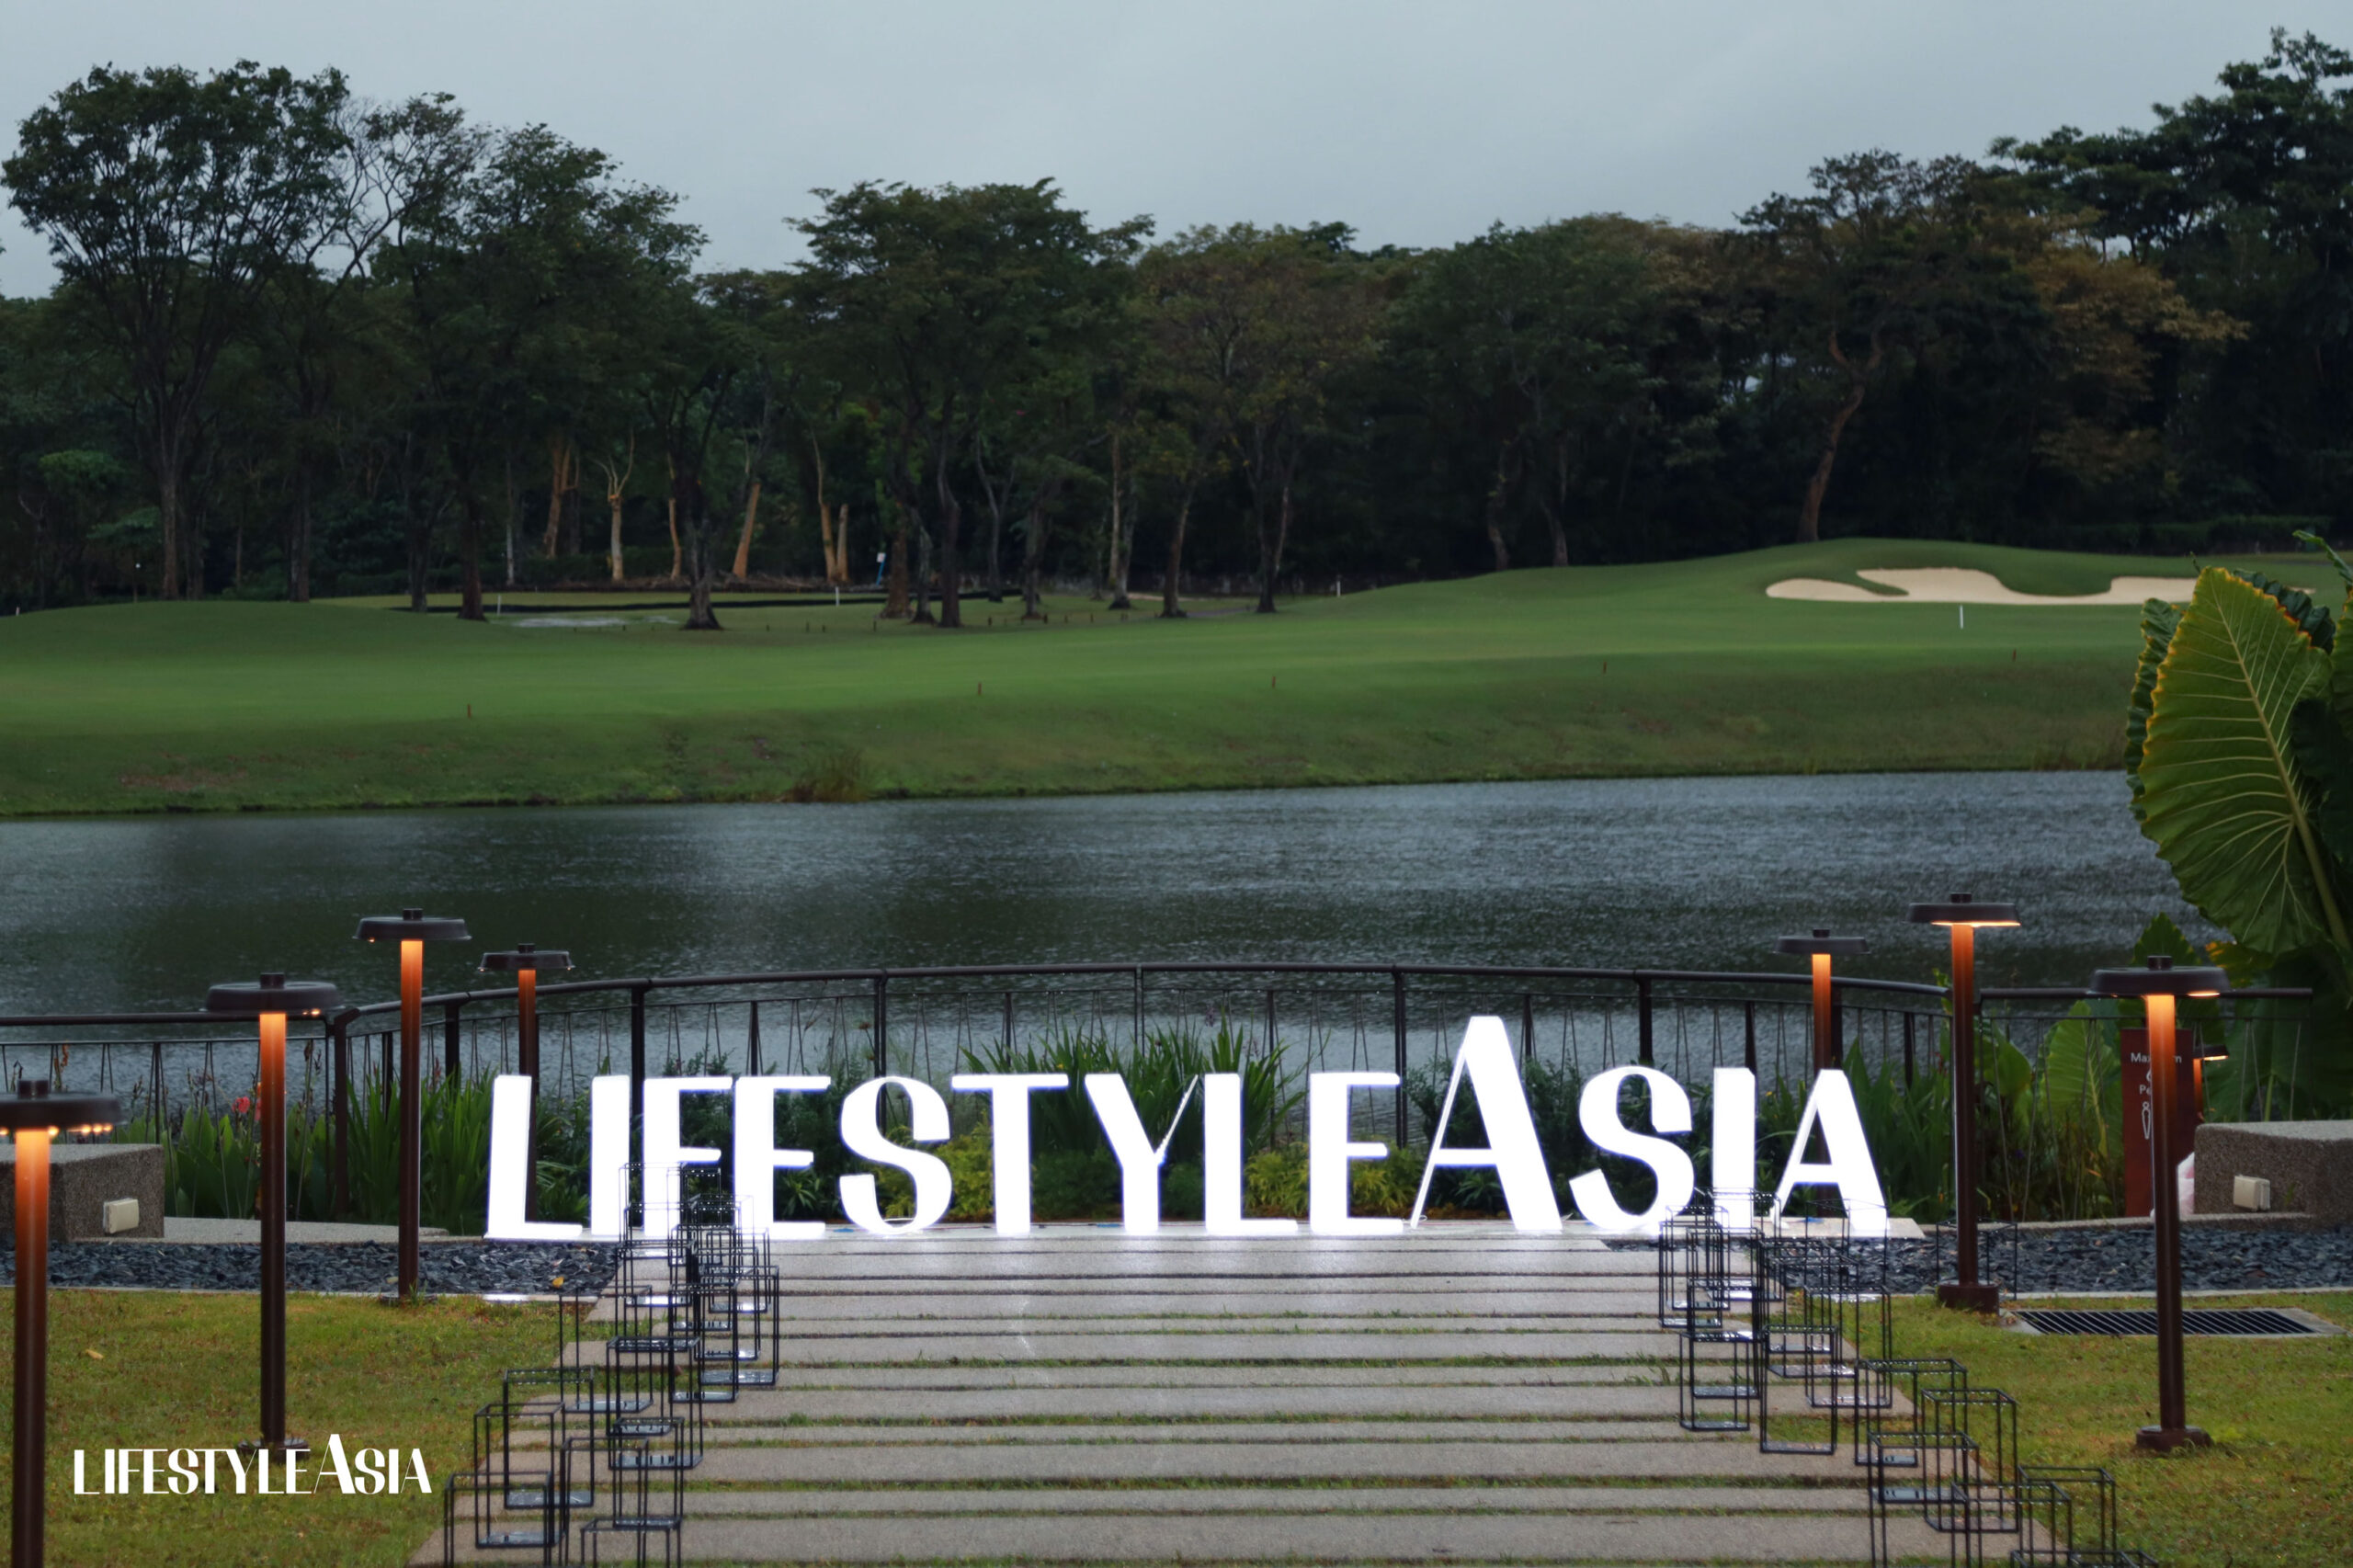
(936,298)
(169,200)
(1853,268)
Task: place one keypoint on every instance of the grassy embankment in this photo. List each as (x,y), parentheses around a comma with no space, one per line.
(1679,668)
(177,1371)
(2277,1488)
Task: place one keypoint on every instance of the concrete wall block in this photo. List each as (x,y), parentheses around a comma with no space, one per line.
(2308,1163)
(82,1179)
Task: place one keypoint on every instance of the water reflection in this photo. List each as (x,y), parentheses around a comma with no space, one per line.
(1676,872)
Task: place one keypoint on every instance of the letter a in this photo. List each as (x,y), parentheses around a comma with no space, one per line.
(1849,1168)
(1512,1149)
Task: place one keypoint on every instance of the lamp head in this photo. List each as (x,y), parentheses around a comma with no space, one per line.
(411,925)
(33,1108)
(2159,978)
(1822,942)
(1961,909)
(527,958)
(273,993)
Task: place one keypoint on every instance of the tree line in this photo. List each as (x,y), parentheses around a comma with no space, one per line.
(306,343)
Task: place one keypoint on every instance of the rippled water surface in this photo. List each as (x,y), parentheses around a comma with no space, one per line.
(1697,873)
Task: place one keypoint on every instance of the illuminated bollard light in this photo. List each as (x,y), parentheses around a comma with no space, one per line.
(33,1117)
(1822,946)
(411,928)
(1963,914)
(270,1001)
(2159,987)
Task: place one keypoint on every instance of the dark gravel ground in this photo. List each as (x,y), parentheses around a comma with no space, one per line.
(2077,1260)
(2093,1260)
(453,1268)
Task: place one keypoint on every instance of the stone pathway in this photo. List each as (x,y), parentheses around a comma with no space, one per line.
(1458,1395)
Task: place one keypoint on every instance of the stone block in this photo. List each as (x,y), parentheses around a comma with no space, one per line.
(2308,1163)
(83,1178)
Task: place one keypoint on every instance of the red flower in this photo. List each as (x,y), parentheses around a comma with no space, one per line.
(244,1106)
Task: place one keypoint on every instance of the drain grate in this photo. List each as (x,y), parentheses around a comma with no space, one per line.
(2135,1320)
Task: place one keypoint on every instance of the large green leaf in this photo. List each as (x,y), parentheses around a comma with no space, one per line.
(2220,790)
(2158,620)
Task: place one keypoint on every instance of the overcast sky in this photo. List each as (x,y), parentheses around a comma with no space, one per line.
(1417,123)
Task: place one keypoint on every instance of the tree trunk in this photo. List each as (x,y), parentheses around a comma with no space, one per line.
(1809,515)
(744,546)
(613,545)
(1493,512)
(838,569)
(952,531)
(699,617)
(1122,545)
(298,549)
(922,616)
(896,607)
(559,454)
(675,557)
(420,547)
(514,509)
(470,554)
(167,517)
(1169,607)
(1270,549)
(1033,566)
(997,551)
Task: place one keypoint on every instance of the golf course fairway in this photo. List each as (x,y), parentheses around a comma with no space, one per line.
(1683,668)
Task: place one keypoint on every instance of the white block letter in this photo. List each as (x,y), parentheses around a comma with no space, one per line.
(1329,1152)
(608,1156)
(757,1159)
(1735,1174)
(1598,1114)
(1221,1163)
(665,1157)
(1139,1161)
(1512,1149)
(1008,1096)
(1851,1169)
(510,1166)
(862,1135)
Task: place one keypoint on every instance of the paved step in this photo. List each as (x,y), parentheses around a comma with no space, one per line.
(1458,1394)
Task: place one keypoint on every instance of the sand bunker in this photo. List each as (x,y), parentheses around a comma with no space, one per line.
(1966,586)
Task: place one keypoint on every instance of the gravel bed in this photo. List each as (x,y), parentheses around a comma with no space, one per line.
(2092,1260)
(366,1268)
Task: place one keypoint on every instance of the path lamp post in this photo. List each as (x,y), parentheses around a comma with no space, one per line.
(524,963)
(411,928)
(1822,946)
(2158,987)
(269,1001)
(33,1116)
(1963,914)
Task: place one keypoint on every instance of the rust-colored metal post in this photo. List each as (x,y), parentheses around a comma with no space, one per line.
(527,1025)
(273,1233)
(1966,1292)
(2173,1430)
(1826,1018)
(28,1472)
(412,1111)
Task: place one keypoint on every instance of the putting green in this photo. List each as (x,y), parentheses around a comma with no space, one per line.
(1672,668)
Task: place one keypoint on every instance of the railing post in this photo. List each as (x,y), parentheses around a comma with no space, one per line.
(1908,1016)
(636,1050)
(339,1033)
(1139,1007)
(1642,1019)
(1008,1024)
(1397,977)
(1748,1035)
(453,1040)
(1526,1030)
(883,1025)
(752,1044)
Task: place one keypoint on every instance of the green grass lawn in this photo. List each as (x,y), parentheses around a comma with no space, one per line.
(2277,1487)
(1676,668)
(179,1370)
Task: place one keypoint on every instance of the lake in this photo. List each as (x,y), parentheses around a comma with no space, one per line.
(1693,873)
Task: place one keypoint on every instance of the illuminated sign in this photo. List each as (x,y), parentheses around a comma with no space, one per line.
(1483,1068)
